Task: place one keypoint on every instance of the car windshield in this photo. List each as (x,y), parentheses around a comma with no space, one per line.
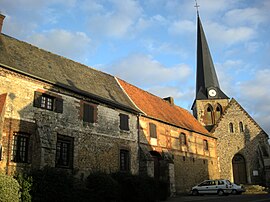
(228,182)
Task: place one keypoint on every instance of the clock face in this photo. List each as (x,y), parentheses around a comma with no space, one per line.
(212,93)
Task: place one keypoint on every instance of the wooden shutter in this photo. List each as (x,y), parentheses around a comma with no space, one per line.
(153,130)
(88,113)
(124,122)
(37,99)
(58,105)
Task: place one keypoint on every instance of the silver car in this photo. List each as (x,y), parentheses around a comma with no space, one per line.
(220,187)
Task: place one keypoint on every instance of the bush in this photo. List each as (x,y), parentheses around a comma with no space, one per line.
(25,181)
(50,184)
(136,187)
(9,189)
(102,187)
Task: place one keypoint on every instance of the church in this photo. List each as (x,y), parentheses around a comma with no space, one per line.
(242,146)
(59,113)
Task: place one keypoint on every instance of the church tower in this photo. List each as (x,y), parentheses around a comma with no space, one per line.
(210,100)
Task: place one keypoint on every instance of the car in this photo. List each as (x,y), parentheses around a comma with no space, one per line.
(220,187)
(237,189)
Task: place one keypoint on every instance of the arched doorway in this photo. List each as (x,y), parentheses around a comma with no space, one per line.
(239,169)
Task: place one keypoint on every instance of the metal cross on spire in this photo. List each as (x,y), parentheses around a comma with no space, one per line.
(197,7)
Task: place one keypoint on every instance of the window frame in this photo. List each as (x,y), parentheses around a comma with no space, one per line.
(89,114)
(152,130)
(205,145)
(124,160)
(241,127)
(183,139)
(20,153)
(231,128)
(56,101)
(69,153)
(124,122)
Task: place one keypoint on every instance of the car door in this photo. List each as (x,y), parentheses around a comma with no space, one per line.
(203,188)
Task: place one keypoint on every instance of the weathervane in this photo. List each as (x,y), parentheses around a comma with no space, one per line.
(197,7)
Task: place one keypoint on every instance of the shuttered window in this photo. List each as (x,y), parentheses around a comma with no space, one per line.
(153,130)
(124,123)
(48,102)
(88,113)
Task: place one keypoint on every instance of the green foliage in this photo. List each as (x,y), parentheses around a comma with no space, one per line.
(9,189)
(25,181)
(102,187)
(50,184)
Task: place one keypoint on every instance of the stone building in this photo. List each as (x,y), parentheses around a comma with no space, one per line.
(59,113)
(242,145)
(174,145)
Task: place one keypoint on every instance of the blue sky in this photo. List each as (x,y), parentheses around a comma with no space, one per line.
(152,43)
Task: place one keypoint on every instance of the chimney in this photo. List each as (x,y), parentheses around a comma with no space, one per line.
(2,17)
(169,99)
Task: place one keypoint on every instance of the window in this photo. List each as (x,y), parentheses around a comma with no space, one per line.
(89,114)
(183,139)
(218,112)
(231,127)
(205,145)
(153,130)
(48,102)
(209,117)
(124,122)
(124,160)
(241,128)
(20,148)
(0,152)
(64,151)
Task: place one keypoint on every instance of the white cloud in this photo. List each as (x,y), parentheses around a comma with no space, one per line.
(239,17)
(143,70)
(62,42)
(118,21)
(182,26)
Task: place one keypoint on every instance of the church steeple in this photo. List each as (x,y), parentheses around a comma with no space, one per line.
(210,100)
(207,85)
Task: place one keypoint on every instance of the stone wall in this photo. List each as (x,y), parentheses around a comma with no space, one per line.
(191,162)
(96,145)
(245,143)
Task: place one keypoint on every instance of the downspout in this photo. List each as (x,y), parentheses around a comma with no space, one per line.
(139,153)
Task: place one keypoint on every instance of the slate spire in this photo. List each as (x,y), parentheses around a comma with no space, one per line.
(206,78)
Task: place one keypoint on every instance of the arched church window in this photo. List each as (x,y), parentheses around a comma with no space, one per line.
(231,127)
(218,111)
(241,128)
(209,115)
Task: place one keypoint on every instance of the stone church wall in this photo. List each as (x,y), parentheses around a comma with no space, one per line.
(191,163)
(96,146)
(245,143)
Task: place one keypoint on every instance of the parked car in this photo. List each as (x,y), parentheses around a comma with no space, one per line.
(220,187)
(237,189)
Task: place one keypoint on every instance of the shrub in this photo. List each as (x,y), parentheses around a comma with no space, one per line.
(25,181)
(136,188)
(102,187)
(9,189)
(50,184)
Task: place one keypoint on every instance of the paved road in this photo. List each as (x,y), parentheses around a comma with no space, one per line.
(230,198)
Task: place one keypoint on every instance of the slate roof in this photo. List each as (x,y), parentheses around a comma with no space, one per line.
(206,75)
(159,109)
(52,68)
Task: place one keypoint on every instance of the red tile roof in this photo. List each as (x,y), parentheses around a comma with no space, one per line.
(157,108)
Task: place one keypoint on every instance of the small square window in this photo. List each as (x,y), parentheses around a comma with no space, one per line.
(124,125)
(48,102)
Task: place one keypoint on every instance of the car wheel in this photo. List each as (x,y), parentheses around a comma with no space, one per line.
(220,192)
(234,192)
(195,192)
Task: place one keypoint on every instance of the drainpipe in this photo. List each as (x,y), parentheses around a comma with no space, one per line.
(138,128)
